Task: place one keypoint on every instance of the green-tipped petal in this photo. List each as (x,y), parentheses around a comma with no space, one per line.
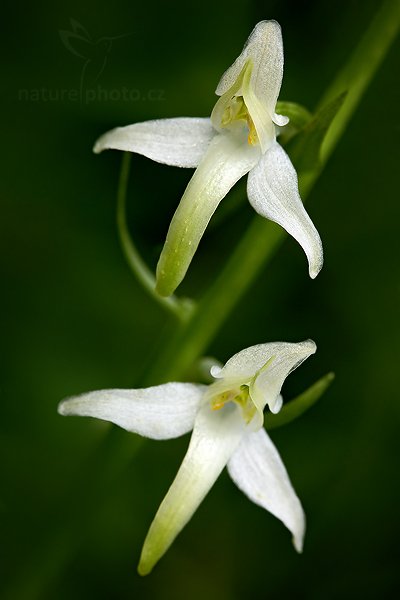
(228,158)
(215,437)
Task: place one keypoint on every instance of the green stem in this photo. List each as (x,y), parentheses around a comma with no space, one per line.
(259,243)
(358,72)
(262,238)
(179,308)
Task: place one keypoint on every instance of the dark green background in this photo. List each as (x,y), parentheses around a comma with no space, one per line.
(76,501)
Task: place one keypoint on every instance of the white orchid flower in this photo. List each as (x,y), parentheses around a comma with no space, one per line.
(226,417)
(239,138)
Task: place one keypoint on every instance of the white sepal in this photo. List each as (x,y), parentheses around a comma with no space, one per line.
(273,192)
(179,142)
(265,367)
(258,470)
(215,437)
(161,412)
(264,48)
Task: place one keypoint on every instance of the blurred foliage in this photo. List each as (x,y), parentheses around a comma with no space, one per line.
(76,500)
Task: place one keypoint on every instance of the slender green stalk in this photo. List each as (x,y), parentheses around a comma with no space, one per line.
(358,72)
(179,308)
(262,238)
(260,241)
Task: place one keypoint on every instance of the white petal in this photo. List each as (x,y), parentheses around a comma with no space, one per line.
(278,404)
(273,192)
(160,412)
(179,142)
(264,48)
(245,364)
(228,158)
(258,470)
(261,118)
(281,120)
(225,100)
(265,367)
(215,437)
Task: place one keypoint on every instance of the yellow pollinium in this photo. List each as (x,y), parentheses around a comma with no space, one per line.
(241,396)
(237,111)
(231,110)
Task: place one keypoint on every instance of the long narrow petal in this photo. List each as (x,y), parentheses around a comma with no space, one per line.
(258,470)
(179,142)
(266,367)
(228,158)
(215,437)
(264,48)
(272,188)
(160,412)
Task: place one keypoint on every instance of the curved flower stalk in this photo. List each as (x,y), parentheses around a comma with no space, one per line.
(227,421)
(239,138)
